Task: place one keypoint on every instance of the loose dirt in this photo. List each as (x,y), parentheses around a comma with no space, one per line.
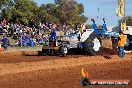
(30,70)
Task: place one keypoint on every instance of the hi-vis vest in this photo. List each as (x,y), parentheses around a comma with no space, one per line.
(122,40)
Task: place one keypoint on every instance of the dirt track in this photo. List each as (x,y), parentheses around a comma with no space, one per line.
(32,71)
(60,72)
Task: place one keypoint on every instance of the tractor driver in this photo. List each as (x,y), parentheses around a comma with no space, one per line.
(53,38)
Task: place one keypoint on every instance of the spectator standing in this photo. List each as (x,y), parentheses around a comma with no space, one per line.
(121,43)
(4,42)
(4,21)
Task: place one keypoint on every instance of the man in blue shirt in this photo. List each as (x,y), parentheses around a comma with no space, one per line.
(94,26)
(53,38)
(4,42)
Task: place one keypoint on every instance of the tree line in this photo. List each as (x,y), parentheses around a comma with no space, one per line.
(128,20)
(62,11)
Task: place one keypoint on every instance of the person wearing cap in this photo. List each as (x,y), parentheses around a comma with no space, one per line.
(121,43)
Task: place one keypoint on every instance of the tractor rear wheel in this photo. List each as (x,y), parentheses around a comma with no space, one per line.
(92,45)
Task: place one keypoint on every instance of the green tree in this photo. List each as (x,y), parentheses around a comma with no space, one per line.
(20,9)
(2,3)
(62,11)
(51,12)
(5,6)
(70,11)
(24,9)
(128,21)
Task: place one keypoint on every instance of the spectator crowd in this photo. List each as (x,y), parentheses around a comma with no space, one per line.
(29,34)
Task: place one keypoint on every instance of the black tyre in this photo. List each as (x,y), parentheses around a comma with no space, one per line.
(92,45)
(45,52)
(129,47)
(64,50)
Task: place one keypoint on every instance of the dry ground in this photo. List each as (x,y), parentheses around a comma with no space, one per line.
(27,70)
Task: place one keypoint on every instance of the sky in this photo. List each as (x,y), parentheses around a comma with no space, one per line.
(107,10)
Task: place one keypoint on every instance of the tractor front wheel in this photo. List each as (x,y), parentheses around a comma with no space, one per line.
(64,50)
